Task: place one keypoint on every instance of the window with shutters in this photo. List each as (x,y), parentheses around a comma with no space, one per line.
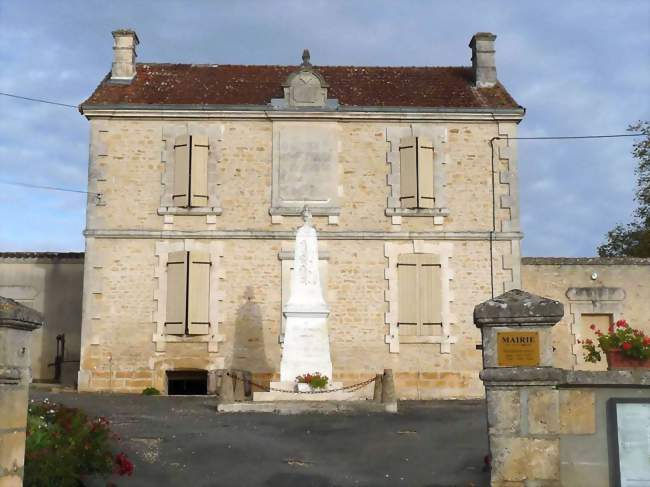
(191,171)
(188,293)
(417,173)
(419,295)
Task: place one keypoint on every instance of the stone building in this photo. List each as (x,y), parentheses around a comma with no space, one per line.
(203,172)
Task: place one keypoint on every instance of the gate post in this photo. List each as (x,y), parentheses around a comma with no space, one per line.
(16,324)
(520,385)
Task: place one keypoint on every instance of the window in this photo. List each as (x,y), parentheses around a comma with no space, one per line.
(419,295)
(191,171)
(416,173)
(188,293)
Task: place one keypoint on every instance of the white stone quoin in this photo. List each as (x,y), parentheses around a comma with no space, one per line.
(306,341)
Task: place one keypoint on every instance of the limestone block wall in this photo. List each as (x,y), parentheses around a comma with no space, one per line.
(52,284)
(119,351)
(616,286)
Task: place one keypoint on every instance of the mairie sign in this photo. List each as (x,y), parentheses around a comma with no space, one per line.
(518,349)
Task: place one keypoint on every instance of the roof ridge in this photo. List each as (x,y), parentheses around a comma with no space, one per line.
(315,66)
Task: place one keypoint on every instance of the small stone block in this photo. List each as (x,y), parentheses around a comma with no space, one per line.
(396,220)
(577,412)
(503,411)
(168,219)
(543,414)
(333,219)
(519,459)
(12,446)
(210,219)
(438,220)
(276,219)
(13,404)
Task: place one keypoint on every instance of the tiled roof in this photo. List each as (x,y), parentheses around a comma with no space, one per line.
(190,84)
(585,261)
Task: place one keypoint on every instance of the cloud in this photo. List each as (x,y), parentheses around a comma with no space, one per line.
(579,67)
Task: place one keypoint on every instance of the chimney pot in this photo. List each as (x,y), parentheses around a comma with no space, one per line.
(483,65)
(124,44)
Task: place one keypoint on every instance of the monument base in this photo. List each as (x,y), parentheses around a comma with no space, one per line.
(302,396)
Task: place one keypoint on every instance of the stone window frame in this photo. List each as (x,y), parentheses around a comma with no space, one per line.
(286,257)
(162,250)
(280,208)
(438,135)
(584,301)
(169,134)
(444,250)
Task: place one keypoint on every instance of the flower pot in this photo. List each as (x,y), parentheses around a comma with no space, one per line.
(616,360)
(304,387)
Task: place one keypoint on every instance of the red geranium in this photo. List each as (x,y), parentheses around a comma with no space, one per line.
(621,336)
(123,465)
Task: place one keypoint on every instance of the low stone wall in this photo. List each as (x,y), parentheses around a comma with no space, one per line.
(549,427)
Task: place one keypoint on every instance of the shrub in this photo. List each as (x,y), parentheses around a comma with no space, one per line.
(63,445)
(315,380)
(150,391)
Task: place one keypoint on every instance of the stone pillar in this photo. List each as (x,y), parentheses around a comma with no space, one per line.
(16,324)
(521,388)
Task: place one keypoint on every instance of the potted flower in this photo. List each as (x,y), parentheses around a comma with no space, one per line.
(624,346)
(310,382)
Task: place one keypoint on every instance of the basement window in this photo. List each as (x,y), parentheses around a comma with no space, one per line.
(187,382)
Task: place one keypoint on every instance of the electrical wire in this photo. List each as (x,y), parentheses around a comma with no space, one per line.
(53,188)
(38,100)
(565,137)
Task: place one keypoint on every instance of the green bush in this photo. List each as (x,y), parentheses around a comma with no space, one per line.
(315,380)
(63,445)
(150,391)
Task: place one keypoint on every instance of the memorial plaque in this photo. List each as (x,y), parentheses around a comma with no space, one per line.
(518,349)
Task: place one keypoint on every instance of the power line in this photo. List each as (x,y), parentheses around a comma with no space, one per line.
(52,188)
(564,137)
(38,100)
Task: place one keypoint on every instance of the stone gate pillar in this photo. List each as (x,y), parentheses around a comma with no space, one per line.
(520,383)
(16,324)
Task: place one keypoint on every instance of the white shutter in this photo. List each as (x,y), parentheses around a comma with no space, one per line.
(408,172)
(176,293)
(181,171)
(198,293)
(429,289)
(407,294)
(199,170)
(426,174)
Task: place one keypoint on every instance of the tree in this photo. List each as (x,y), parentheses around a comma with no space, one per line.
(633,239)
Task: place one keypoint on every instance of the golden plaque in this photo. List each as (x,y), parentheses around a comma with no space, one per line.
(518,349)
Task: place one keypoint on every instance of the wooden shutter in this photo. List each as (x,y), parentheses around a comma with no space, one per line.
(407,294)
(199,170)
(408,172)
(198,294)
(176,293)
(181,171)
(425,173)
(429,301)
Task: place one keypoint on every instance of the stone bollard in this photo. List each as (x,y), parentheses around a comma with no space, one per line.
(376,395)
(16,324)
(240,386)
(520,385)
(214,381)
(388,397)
(226,393)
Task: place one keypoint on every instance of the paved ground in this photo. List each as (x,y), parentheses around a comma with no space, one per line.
(177,441)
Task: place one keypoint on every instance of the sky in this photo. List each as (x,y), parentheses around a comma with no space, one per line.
(578,67)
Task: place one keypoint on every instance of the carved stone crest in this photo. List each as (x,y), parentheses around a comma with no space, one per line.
(305,87)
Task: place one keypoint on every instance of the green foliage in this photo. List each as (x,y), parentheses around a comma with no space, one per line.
(63,445)
(633,239)
(315,380)
(621,336)
(150,391)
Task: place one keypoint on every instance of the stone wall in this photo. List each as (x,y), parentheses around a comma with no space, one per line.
(616,286)
(128,163)
(52,284)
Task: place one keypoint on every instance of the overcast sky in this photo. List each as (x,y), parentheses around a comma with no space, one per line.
(579,67)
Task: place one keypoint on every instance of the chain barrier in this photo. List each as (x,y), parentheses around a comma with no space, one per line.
(350,388)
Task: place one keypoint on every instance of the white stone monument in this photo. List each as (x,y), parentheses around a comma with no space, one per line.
(306,338)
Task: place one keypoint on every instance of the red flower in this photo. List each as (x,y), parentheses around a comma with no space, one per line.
(627,346)
(588,341)
(621,324)
(646,341)
(593,327)
(123,465)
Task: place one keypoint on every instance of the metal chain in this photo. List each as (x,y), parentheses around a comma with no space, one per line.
(350,388)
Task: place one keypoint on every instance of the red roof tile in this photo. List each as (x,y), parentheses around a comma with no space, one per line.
(187,84)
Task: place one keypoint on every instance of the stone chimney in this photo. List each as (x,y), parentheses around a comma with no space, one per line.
(123,70)
(485,70)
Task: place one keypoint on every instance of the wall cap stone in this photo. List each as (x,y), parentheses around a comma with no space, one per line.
(585,261)
(536,376)
(18,316)
(519,308)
